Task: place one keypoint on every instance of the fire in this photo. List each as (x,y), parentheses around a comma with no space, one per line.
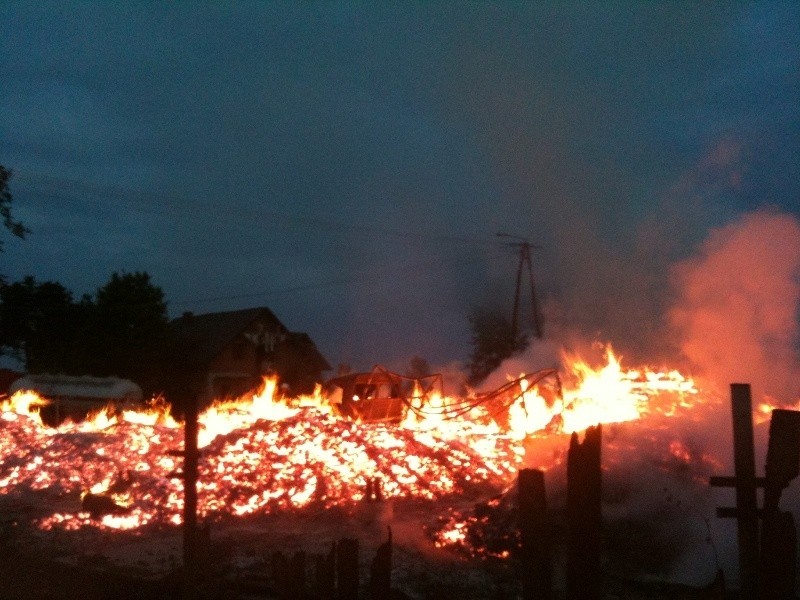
(608,394)
(265,452)
(23,403)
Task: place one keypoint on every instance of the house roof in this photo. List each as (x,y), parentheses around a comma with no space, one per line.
(210,333)
(303,343)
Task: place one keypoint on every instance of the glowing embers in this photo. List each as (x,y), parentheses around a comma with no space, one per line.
(264,453)
(310,458)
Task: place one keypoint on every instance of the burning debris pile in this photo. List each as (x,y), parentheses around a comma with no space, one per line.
(264,453)
(305,458)
(655,469)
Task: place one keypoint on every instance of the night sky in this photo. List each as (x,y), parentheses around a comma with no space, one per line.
(349,164)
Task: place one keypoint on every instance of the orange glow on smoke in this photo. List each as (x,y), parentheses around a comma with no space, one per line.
(265,453)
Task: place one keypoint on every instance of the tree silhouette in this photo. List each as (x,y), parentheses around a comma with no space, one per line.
(493,341)
(39,320)
(14,226)
(130,321)
(122,331)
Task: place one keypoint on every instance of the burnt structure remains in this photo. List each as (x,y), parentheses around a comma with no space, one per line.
(767,561)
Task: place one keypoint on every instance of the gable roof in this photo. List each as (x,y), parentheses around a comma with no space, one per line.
(210,333)
(303,343)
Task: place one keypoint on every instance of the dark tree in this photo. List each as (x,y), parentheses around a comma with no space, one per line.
(130,328)
(493,341)
(121,332)
(15,227)
(418,367)
(40,321)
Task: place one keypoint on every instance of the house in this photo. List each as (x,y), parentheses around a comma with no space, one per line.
(227,354)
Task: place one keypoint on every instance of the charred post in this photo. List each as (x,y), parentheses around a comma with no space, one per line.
(783,456)
(297,576)
(778,557)
(744,462)
(279,568)
(584,514)
(535,536)
(347,569)
(778,564)
(289,575)
(380,580)
(190,459)
(324,585)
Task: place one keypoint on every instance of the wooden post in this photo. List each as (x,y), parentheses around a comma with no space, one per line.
(325,574)
(537,574)
(347,569)
(744,463)
(190,459)
(768,571)
(584,514)
(380,580)
(297,576)
(778,563)
(777,578)
(280,567)
(289,575)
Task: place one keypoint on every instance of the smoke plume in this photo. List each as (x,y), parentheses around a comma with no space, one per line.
(736,308)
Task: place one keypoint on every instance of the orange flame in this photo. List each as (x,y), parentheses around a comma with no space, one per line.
(264,452)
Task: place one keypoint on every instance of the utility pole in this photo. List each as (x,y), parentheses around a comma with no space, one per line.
(524,247)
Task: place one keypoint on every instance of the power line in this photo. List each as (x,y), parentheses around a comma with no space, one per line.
(415,271)
(72,190)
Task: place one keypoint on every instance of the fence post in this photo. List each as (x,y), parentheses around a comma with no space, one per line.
(325,574)
(584,516)
(347,569)
(380,581)
(190,459)
(744,465)
(535,536)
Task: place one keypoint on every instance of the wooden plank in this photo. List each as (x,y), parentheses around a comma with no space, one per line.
(746,503)
(347,569)
(537,577)
(729,512)
(190,458)
(584,517)
(380,580)
(722,481)
(324,585)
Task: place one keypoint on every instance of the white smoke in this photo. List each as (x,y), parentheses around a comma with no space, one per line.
(736,308)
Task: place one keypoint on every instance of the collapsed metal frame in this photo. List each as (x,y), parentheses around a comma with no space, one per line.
(503,397)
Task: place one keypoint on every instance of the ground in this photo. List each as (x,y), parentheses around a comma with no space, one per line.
(98,565)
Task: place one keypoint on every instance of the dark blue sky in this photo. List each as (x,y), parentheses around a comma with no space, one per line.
(349,164)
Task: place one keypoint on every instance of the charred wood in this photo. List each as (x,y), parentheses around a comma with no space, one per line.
(324,584)
(778,557)
(778,560)
(380,581)
(535,552)
(99,505)
(347,569)
(289,575)
(584,577)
